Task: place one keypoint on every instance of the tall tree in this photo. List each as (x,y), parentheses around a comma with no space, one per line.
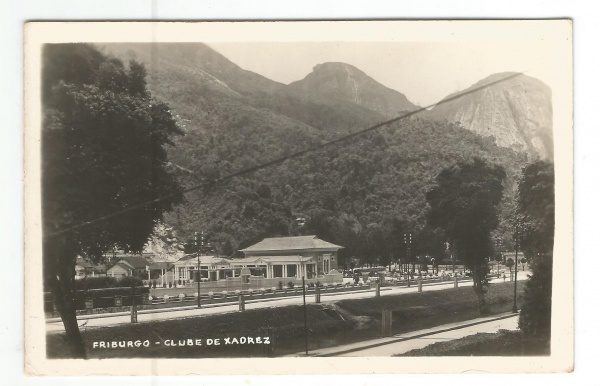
(535,208)
(464,204)
(103,153)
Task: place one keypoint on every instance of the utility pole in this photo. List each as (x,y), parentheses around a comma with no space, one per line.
(407,244)
(514,309)
(198,248)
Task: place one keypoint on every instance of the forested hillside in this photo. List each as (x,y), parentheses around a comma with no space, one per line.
(362,194)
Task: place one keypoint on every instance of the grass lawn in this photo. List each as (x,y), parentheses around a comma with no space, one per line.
(329,325)
(417,311)
(286,330)
(502,343)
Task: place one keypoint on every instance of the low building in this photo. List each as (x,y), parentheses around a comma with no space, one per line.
(285,257)
(83,268)
(129,265)
(271,263)
(212,268)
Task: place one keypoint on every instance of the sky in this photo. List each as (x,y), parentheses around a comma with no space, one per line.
(425,72)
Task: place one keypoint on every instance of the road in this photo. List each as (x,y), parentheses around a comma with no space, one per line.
(102,320)
(402,343)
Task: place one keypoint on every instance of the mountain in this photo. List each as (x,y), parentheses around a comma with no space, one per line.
(516,112)
(351,194)
(200,83)
(342,81)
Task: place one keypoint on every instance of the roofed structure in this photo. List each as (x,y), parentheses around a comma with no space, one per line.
(304,243)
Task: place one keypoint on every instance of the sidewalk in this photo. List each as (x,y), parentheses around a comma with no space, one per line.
(401,343)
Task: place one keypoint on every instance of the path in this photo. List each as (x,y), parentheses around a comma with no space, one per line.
(402,343)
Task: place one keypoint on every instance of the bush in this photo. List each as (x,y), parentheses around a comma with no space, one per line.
(290,285)
(128,281)
(534,319)
(89,283)
(104,297)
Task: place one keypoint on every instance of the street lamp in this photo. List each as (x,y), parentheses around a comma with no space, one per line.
(517,231)
(304,302)
(407,244)
(301,221)
(198,257)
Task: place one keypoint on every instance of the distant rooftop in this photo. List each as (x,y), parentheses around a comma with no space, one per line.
(270,259)
(291,243)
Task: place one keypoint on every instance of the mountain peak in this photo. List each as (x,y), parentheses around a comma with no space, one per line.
(345,82)
(516,112)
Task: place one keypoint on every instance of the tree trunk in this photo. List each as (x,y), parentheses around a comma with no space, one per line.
(479,291)
(61,283)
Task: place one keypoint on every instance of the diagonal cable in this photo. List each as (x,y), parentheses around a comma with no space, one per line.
(282,159)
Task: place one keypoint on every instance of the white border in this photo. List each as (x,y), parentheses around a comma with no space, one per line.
(587,61)
(556,31)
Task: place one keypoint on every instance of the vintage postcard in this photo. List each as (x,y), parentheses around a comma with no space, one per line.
(295,197)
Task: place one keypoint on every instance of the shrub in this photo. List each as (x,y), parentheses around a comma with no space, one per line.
(128,281)
(534,319)
(290,284)
(104,297)
(89,283)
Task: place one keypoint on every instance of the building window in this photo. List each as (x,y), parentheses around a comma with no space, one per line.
(291,270)
(310,271)
(278,271)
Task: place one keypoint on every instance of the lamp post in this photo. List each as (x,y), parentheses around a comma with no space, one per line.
(198,257)
(407,243)
(304,302)
(517,231)
(301,221)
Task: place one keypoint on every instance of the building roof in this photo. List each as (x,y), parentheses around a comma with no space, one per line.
(135,261)
(121,265)
(161,265)
(83,263)
(270,259)
(204,260)
(290,244)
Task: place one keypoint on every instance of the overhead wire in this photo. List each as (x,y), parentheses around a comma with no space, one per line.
(280,159)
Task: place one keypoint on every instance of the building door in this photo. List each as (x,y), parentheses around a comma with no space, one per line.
(326,263)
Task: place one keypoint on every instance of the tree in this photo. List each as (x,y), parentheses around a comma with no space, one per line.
(509,263)
(103,159)
(463,203)
(498,259)
(523,260)
(535,208)
(535,202)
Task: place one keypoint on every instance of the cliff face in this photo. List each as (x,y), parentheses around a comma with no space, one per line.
(345,82)
(516,112)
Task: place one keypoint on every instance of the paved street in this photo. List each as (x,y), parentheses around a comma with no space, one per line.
(102,320)
(402,343)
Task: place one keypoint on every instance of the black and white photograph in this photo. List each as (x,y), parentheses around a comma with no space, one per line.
(284,191)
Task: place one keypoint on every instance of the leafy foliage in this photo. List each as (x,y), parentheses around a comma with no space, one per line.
(536,209)
(464,204)
(536,311)
(103,152)
(364,192)
(107,282)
